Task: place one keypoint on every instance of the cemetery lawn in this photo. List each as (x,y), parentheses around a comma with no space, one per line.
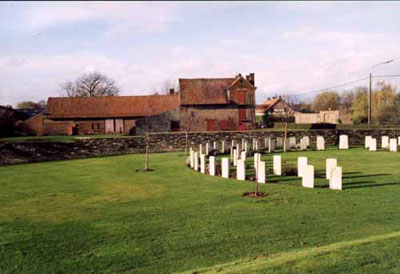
(101,215)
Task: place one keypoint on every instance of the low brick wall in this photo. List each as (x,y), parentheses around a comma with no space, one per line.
(36,151)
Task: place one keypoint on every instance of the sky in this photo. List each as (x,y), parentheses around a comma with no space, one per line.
(292,47)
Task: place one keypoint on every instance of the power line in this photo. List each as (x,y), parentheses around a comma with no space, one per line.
(333,87)
(389,75)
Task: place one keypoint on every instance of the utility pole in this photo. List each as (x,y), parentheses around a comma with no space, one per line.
(369,99)
(370,90)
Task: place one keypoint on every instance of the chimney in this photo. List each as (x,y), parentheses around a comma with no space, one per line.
(171,91)
(250,78)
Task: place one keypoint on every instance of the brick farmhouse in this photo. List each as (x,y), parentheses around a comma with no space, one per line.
(201,104)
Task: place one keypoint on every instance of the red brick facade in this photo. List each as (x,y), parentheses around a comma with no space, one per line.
(201,105)
(230,104)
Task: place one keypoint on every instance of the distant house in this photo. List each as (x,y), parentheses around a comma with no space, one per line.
(272,110)
(108,115)
(324,116)
(217,103)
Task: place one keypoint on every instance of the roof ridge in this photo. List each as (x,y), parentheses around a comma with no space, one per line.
(123,96)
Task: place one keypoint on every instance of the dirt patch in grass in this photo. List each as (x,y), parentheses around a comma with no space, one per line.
(144,170)
(255,194)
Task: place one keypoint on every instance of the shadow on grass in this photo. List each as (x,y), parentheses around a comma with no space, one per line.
(365,176)
(280,179)
(363,184)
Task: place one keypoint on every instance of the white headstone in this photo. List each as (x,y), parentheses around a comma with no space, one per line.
(398,140)
(279,142)
(238,147)
(235,157)
(243,141)
(336,179)
(331,164)
(277,161)
(385,142)
(207,148)
(367,141)
(343,142)
(307,140)
(243,155)
(271,146)
(215,145)
(301,166)
(286,145)
(196,161)
(211,165)
(266,142)
(200,149)
(261,172)
(241,170)
(256,146)
(257,157)
(393,145)
(222,146)
(303,144)
(308,177)
(203,163)
(292,142)
(372,144)
(246,147)
(191,158)
(320,143)
(225,167)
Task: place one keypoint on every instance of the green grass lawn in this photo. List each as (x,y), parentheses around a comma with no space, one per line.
(102,215)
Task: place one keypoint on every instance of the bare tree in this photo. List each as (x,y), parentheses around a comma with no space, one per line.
(93,84)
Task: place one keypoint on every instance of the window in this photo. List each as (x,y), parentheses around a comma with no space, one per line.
(249,99)
(223,125)
(242,114)
(242,97)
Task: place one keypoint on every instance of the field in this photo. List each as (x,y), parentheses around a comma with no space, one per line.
(105,215)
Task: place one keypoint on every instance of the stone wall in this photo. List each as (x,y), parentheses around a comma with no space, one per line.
(157,123)
(35,151)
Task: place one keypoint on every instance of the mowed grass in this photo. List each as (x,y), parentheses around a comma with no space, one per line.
(107,215)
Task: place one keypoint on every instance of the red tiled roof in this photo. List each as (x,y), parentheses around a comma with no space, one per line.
(110,106)
(266,105)
(204,91)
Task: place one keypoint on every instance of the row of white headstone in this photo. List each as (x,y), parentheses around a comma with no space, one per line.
(386,143)
(198,162)
(305,171)
(269,144)
(333,173)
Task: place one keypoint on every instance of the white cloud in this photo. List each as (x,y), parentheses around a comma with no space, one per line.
(123,18)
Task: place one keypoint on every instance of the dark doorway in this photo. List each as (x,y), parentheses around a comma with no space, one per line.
(175,126)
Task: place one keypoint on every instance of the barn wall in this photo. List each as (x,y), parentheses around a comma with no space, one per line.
(226,117)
